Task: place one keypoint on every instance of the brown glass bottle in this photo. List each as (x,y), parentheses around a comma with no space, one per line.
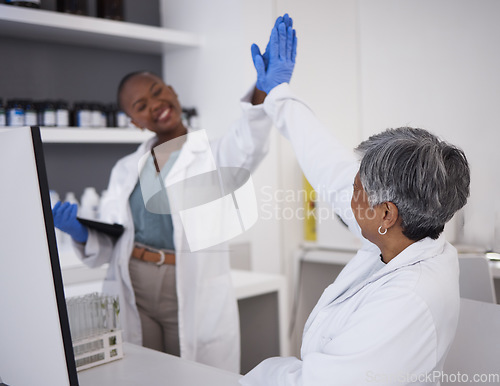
(110,9)
(76,7)
(24,3)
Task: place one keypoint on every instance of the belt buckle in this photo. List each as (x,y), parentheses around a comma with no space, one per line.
(162,257)
(151,249)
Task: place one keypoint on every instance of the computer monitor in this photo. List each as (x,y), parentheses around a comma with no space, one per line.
(35,339)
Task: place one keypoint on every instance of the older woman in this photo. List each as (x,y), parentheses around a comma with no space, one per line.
(390,316)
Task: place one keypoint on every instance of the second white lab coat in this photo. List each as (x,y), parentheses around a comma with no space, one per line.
(208,314)
(387,324)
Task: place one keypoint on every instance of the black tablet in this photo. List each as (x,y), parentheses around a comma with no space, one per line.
(110,229)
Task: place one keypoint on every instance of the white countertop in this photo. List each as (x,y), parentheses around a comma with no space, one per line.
(142,366)
(327,256)
(495,269)
(249,283)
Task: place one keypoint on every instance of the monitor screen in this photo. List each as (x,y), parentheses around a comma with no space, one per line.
(35,340)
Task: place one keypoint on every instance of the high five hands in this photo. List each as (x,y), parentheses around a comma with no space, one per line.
(276,65)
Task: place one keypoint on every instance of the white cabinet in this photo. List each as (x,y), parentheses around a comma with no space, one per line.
(79,157)
(62,30)
(53,55)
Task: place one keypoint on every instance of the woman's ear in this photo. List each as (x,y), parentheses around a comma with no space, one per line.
(391,214)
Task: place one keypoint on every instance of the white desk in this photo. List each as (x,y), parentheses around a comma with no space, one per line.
(495,269)
(142,366)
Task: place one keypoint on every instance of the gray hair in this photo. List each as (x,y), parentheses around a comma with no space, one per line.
(426,178)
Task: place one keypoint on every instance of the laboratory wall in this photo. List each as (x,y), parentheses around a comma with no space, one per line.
(434,64)
(326,78)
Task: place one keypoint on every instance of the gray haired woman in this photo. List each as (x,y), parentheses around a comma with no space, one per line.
(391,315)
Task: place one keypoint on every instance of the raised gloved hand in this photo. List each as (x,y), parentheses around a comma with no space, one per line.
(265,56)
(276,65)
(65,219)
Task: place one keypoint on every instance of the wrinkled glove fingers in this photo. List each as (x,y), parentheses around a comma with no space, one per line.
(66,212)
(274,45)
(287,20)
(265,55)
(282,41)
(289,43)
(294,47)
(73,212)
(278,21)
(63,211)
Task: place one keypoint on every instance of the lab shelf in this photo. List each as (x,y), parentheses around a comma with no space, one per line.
(93,135)
(56,27)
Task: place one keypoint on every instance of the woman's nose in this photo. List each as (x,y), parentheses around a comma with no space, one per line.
(154,106)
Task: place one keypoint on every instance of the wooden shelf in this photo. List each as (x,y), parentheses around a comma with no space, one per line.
(49,26)
(91,135)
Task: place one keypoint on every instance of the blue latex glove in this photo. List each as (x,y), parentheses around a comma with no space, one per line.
(65,219)
(265,56)
(282,50)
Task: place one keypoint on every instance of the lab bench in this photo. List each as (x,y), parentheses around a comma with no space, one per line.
(143,366)
(261,302)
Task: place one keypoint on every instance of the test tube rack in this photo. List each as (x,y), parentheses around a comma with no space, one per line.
(98,350)
(95,329)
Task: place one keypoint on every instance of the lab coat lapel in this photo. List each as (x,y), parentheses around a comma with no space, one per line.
(133,166)
(196,143)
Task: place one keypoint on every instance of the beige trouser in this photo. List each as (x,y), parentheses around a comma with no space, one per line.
(156,300)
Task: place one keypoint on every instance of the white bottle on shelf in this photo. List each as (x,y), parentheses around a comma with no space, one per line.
(89,208)
(101,202)
(71,198)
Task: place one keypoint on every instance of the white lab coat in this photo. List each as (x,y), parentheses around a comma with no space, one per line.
(208,315)
(377,323)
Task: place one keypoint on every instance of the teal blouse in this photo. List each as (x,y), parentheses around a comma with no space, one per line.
(153,229)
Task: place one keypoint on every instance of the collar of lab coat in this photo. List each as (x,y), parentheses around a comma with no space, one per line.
(197,142)
(366,258)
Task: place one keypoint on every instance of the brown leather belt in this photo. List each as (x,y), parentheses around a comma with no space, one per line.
(153,255)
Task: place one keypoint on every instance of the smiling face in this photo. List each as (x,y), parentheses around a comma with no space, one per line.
(153,105)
